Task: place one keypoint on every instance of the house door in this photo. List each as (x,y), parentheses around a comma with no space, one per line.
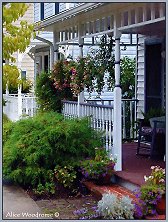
(153,76)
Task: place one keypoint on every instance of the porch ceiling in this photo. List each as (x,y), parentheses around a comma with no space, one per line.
(100,18)
(148,29)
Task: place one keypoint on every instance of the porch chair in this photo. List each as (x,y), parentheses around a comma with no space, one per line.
(151,139)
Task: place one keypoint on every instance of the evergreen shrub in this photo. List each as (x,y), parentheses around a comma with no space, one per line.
(37,145)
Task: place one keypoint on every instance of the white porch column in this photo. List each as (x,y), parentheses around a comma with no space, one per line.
(81,95)
(56,47)
(19,86)
(117,129)
(42,61)
(51,57)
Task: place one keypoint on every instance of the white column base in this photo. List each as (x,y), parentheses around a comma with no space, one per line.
(117,130)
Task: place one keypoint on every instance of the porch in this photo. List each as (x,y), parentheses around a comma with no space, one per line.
(90,20)
(134,167)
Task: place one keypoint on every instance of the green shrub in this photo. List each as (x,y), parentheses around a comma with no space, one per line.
(5,119)
(7,127)
(37,145)
(13,88)
(48,97)
(65,175)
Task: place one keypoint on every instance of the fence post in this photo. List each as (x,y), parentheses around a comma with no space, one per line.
(19,102)
(80,100)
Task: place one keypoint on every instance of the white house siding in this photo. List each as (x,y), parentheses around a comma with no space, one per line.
(36,12)
(140,76)
(130,51)
(62,7)
(49,9)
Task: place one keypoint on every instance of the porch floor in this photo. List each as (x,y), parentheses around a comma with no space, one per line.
(136,166)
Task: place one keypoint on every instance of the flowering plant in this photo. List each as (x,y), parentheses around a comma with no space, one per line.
(101,165)
(150,193)
(148,197)
(157,177)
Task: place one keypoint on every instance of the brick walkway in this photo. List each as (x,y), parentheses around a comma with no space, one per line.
(64,208)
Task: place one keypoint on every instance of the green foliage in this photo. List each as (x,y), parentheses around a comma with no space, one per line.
(37,145)
(48,187)
(101,165)
(151,192)
(149,195)
(7,128)
(13,87)
(72,76)
(65,175)
(128,77)
(15,38)
(48,97)
(153,113)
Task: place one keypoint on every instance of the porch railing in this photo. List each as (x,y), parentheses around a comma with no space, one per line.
(102,116)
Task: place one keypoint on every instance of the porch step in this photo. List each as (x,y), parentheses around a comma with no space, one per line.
(99,190)
(125,180)
(158,217)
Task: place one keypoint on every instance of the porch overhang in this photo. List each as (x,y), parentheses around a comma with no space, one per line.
(100,18)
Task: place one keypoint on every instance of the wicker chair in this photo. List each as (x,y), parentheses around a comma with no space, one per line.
(151,139)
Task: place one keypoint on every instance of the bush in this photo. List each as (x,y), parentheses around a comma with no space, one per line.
(13,88)
(48,97)
(65,175)
(37,145)
(7,127)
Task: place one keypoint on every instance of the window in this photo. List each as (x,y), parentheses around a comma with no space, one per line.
(42,11)
(46,63)
(56,8)
(23,74)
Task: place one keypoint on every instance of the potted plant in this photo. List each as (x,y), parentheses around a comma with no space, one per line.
(150,114)
(99,169)
(151,195)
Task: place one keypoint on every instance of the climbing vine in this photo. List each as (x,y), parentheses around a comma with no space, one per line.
(89,72)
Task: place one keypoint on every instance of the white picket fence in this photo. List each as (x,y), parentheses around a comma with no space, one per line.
(102,117)
(19,106)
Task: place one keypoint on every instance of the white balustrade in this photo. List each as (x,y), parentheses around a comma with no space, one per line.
(102,117)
